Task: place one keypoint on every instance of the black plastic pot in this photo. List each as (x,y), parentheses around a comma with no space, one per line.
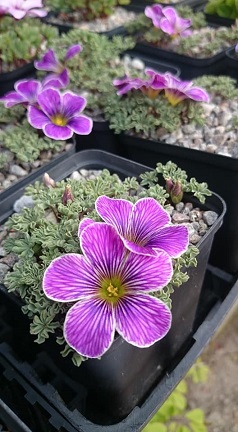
(8,79)
(105,392)
(221,174)
(66,27)
(190,67)
(38,382)
(231,63)
(139,5)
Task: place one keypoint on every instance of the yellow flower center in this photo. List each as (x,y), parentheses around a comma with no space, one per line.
(111,290)
(59,120)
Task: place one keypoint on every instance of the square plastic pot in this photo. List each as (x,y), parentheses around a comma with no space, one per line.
(106,391)
(32,388)
(221,174)
(139,5)
(102,137)
(214,19)
(231,63)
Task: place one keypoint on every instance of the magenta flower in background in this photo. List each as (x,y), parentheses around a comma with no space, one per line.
(21,8)
(236,48)
(177,90)
(144,227)
(173,24)
(155,13)
(126,84)
(50,63)
(59,115)
(26,92)
(111,288)
(156,82)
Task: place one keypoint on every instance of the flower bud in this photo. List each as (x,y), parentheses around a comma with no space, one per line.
(48,181)
(169,185)
(176,193)
(67,195)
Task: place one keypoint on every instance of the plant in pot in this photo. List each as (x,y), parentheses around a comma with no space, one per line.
(92,72)
(101,16)
(124,259)
(55,115)
(183,36)
(23,38)
(232,61)
(199,136)
(221,11)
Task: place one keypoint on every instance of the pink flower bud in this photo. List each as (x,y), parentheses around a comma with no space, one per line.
(67,195)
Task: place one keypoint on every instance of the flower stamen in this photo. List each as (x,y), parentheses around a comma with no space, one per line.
(112,291)
(59,120)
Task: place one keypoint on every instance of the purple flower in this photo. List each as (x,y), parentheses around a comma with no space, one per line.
(50,63)
(144,227)
(26,92)
(59,114)
(151,86)
(155,12)
(126,84)
(173,24)
(177,90)
(20,8)
(111,289)
(236,48)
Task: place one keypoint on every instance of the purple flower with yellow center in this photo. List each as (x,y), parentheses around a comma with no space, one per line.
(151,87)
(155,13)
(144,227)
(50,63)
(21,8)
(26,92)
(59,115)
(177,90)
(173,24)
(111,289)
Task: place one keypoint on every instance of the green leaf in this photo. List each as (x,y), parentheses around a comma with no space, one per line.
(155,427)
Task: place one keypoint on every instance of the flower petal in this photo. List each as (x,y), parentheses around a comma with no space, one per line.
(72,104)
(146,273)
(50,101)
(49,62)
(72,51)
(64,77)
(115,212)
(146,218)
(36,117)
(83,224)
(81,125)
(172,239)
(57,132)
(89,327)
(103,248)
(68,278)
(12,98)
(28,89)
(198,94)
(142,320)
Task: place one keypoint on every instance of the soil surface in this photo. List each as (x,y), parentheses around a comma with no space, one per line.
(218,397)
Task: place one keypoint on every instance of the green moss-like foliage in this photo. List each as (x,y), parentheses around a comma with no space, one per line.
(23,41)
(222,8)
(49,229)
(26,144)
(89,10)
(138,114)
(93,70)
(218,85)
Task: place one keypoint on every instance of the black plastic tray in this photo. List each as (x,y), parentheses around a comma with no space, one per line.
(8,79)
(139,5)
(214,19)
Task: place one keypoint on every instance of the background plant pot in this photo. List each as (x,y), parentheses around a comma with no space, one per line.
(109,389)
(231,63)
(66,27)
(139,5)
(39,381)
(221,174)
(213,19)
(190,67)
(8,79)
